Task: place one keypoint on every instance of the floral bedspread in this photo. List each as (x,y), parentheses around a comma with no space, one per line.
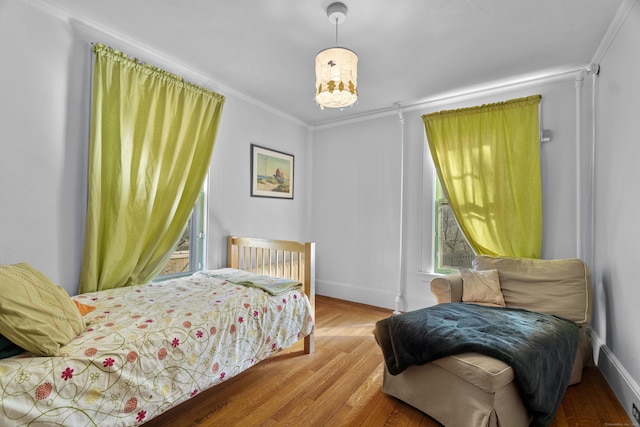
(149,347)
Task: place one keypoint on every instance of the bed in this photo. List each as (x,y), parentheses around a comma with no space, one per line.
(145,349)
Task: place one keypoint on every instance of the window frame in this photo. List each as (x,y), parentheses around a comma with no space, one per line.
(197,240)
(440,199)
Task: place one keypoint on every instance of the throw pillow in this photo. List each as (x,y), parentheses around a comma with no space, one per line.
(35,313)
(482,287)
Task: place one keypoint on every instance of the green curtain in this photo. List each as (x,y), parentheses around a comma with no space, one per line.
(488,161)
(152,137)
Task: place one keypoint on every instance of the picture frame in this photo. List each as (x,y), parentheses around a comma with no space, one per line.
(272,173)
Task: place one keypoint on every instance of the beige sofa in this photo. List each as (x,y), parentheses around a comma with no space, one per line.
(475,390)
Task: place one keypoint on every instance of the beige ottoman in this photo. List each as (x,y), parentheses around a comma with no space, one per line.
(465,390)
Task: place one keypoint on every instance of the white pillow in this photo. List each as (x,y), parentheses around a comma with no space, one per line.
(482,287)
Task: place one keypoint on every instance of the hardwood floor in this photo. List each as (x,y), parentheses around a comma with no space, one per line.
(340,385)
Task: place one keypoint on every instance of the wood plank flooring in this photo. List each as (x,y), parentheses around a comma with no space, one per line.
(340,385)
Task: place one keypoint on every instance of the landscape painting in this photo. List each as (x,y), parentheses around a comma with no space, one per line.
(271,173)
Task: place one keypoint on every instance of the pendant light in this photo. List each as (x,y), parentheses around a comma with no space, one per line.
(336,68)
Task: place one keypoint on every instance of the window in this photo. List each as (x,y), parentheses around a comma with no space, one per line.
(188,257)
(451,248)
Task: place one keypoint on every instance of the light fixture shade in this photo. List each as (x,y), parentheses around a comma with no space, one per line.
(336,78)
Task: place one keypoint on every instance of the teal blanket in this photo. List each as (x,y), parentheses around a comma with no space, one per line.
(540,348)
(8,349)
(272,285)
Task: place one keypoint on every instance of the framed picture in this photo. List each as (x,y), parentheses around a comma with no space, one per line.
(271,173)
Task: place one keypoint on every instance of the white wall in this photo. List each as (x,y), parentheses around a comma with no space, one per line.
(231,209)
(42,143)
(618,203)
(356,196)
(44,123)
(356,205)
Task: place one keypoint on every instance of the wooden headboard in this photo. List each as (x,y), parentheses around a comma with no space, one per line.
(278,258)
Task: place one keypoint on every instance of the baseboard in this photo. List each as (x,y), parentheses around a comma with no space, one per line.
(362,295)
(625,388)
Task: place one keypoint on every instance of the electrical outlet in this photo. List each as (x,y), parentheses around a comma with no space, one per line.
(635,412)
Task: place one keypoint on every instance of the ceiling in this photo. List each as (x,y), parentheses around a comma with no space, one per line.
(409,50)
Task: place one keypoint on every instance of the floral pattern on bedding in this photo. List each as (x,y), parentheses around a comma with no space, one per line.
(149,347)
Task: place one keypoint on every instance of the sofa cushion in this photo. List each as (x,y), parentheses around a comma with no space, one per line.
(482,371)
(561,287)
(482,287)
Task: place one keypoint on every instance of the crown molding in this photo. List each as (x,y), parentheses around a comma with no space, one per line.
(613,29)
(89,31)
(467,93)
